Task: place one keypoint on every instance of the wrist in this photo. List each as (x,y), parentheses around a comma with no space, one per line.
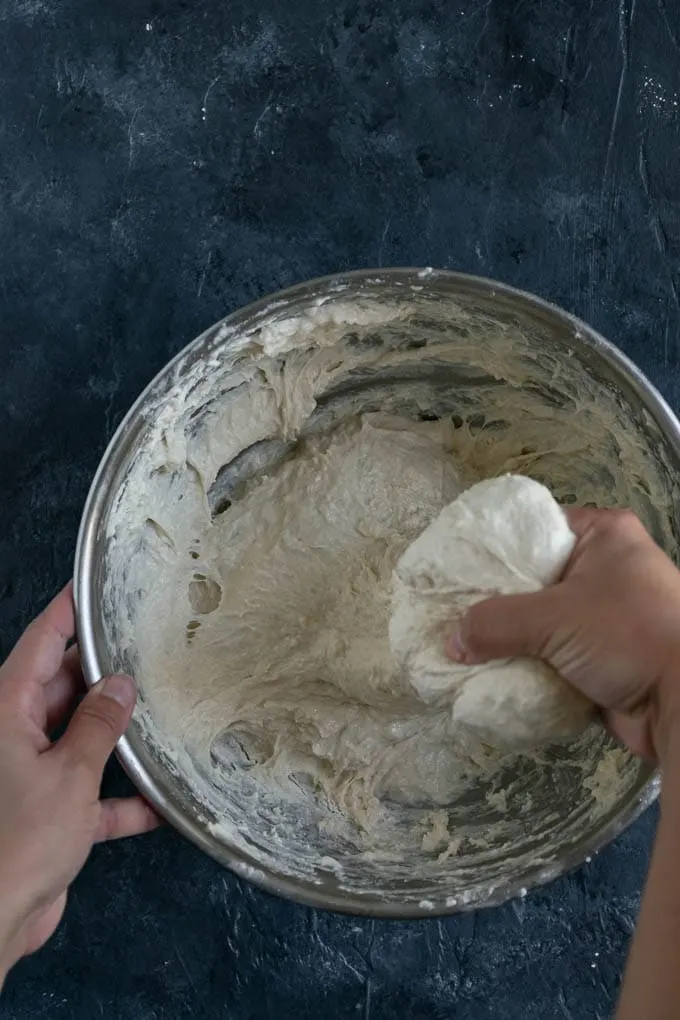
(15,910)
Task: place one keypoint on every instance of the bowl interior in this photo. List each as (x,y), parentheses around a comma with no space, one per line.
(520,387)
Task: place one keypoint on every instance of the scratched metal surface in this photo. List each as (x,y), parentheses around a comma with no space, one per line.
(162,162)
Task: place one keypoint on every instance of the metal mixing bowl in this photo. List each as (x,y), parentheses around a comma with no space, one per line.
(556,331)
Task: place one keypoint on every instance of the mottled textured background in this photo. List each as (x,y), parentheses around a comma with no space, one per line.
(163,162)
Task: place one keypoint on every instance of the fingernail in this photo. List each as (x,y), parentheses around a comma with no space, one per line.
(455,648)
(119,688)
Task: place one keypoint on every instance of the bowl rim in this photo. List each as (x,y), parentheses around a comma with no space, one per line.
(160,794)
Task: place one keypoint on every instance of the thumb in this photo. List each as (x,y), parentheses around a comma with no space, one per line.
(504,627)
(99,722)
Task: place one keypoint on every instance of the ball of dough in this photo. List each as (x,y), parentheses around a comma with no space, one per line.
(500,537)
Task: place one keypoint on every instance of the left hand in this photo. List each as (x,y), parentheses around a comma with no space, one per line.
(50,811)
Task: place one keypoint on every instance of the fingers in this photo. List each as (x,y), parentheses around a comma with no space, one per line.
(98,723)
(632,729)
(64,690)
(38,653)
(125,816)
(500,628)
(582,518)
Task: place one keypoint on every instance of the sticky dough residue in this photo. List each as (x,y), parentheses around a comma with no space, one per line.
(247,575)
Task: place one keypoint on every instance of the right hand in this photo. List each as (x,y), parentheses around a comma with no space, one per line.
(610,626)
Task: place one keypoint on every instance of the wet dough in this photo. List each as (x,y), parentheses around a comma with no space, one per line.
(503,536)
(246,582)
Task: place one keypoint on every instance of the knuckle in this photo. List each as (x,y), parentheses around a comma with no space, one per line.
(102,717)
(622,523)
(626,518)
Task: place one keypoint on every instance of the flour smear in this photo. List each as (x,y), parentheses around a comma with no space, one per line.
(250,543)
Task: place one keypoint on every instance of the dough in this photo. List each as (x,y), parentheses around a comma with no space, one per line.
(503,536)
(246,582)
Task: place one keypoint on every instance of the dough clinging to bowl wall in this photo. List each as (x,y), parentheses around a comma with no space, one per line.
(279,470)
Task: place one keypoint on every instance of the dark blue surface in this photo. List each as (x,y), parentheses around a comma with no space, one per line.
(161,164)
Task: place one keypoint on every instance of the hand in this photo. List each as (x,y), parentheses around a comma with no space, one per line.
(611,627)
(50,811)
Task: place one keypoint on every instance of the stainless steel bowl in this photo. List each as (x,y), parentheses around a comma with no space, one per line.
(553,332)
